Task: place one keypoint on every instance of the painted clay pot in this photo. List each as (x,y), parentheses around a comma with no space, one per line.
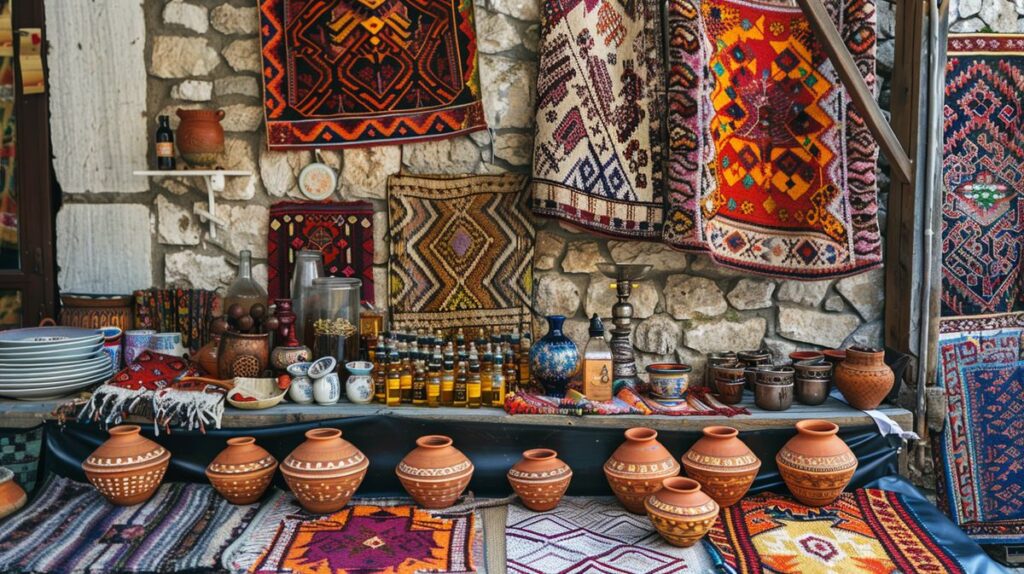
(242,354)
(722,464)
(242,472)
(434,473)
(554,359)
(206,356)
(635,470)
(281,357)
(540,479)
(128,467)
(668,381)
(325,471)
(200,137)
(816,464)
(680,512)
(864,378)
(12,496)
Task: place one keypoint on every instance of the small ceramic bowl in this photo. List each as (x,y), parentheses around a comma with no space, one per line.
(668,381)
(299,369)
(797,356)
(322,366)
(359,367)
(255,394)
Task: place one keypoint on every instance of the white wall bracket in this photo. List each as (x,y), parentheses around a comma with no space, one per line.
(214,179)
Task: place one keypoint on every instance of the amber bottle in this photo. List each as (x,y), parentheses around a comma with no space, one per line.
(434,379)
(394,385)
(461,383)
(419,385)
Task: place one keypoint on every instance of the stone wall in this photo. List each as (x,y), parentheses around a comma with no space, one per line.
(204,53)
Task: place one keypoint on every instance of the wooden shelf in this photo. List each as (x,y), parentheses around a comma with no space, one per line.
(27,414)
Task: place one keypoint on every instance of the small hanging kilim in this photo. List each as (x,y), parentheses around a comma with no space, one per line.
(983,173)
(867,531)
(980,479)
(771,168)
(342,232)
(461,251)
(597,157)
(368,72)
(186,311)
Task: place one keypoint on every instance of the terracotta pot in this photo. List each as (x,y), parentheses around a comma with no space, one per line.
(722,464)
(242,472)
(540,479)
(635,470)
(242,355)
(816,464)
(834,356)
(434,473)
(864,378)
(12,496)
(96,311)
(200,137)
(206,356)
(325,471)
(797,356)
(128,467)
(680,512)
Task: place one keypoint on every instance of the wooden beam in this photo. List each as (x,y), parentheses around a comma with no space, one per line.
(826,32)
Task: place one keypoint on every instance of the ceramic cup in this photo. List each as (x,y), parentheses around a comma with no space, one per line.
(359,385)
(327,389)
(301,390)
(167,344)
(135,342)
(112,340)
(668,381)
(321,367)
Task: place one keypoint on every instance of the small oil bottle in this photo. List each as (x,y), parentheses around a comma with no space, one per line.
(405,374)
(511,368)
(419,385)
(498,383)
(597,364)
(486,370)
(448,379)
(434,379)
(524,361)
(380,377)
(394,391)
(461,383)
(474,384)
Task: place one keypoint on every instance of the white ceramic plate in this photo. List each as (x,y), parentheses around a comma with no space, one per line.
(317,181)
(42,393)
(47,337)
(47,380)
(21,356)
(56,371)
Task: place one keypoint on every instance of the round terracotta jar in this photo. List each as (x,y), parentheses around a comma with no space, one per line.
(200,137)
(12,496)
(680,512)
(540,479)
(863,377)
(325,471)
(242,472)
(816,464)
(127,468)
(434,473)
(722,464)
(635,470)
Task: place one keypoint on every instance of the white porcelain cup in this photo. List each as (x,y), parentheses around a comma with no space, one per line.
(301,390)
(327,389)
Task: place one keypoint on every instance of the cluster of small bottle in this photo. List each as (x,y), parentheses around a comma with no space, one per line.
(427,369)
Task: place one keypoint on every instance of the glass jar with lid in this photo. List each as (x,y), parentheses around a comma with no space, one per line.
(332,318)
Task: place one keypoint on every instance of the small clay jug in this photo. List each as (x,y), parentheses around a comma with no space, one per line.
(128,467)
(206,356)
(434,473)
(635,470)
(12,496)
(722,464)
(680,512)
(325,471)
(540,479)
(200,137)
(864,378)
(242,354)
(816,464)
(242,472)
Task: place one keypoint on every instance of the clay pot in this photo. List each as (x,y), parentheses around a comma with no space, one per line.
(722,464)
(812,391)
(281,357)
(540,479)
(200,137)
(816,464)
(242,355)
(128,467)
(635,470)
(797,356)
(12,496)
(730,392)
(680,512)
(242,472)
(206,356)
(325,471)
(834,356)
(668,381)
(864,378)
(772,397)
(434,473)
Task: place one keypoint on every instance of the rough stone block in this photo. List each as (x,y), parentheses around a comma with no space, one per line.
(188,15)
(175,225)
(690,297)
(815,327)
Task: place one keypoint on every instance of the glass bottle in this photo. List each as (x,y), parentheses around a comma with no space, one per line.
(164,139)
(380,379)
(405,373)
(461,382)
(394,393)
(511,368)
(473,386)
(486,370)
(434,379)
(309,265)
(524,362)
(498,383)
(597,364)
(448,379)
(419,385)
(244,290)
(332,317)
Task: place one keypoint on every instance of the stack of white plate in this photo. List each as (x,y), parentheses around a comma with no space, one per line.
(49,362)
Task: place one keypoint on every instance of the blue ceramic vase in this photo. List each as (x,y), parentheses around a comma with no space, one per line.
(554,359)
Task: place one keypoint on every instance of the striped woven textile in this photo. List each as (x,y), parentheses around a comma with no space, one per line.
(69,528)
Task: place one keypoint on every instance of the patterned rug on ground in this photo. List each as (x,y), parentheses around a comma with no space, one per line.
(771,168)
(627,401)
(461,252)
(598,148)
(342,232)
(387,536)
(368,72)
(980,479)
(69,528)
(865,531)
(593,535)
(983,151)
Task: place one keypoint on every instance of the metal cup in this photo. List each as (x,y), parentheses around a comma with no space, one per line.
(812,391)
(730,391)
(772,397)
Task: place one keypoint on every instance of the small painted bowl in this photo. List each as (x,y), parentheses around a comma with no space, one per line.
(359,367)
(322,366)
(797,356)
(299,369)
(668,381)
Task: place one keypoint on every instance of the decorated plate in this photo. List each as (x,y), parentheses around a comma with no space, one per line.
(317,181)
(47,337)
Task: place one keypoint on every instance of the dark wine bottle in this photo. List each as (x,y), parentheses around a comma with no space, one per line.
(164,145)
